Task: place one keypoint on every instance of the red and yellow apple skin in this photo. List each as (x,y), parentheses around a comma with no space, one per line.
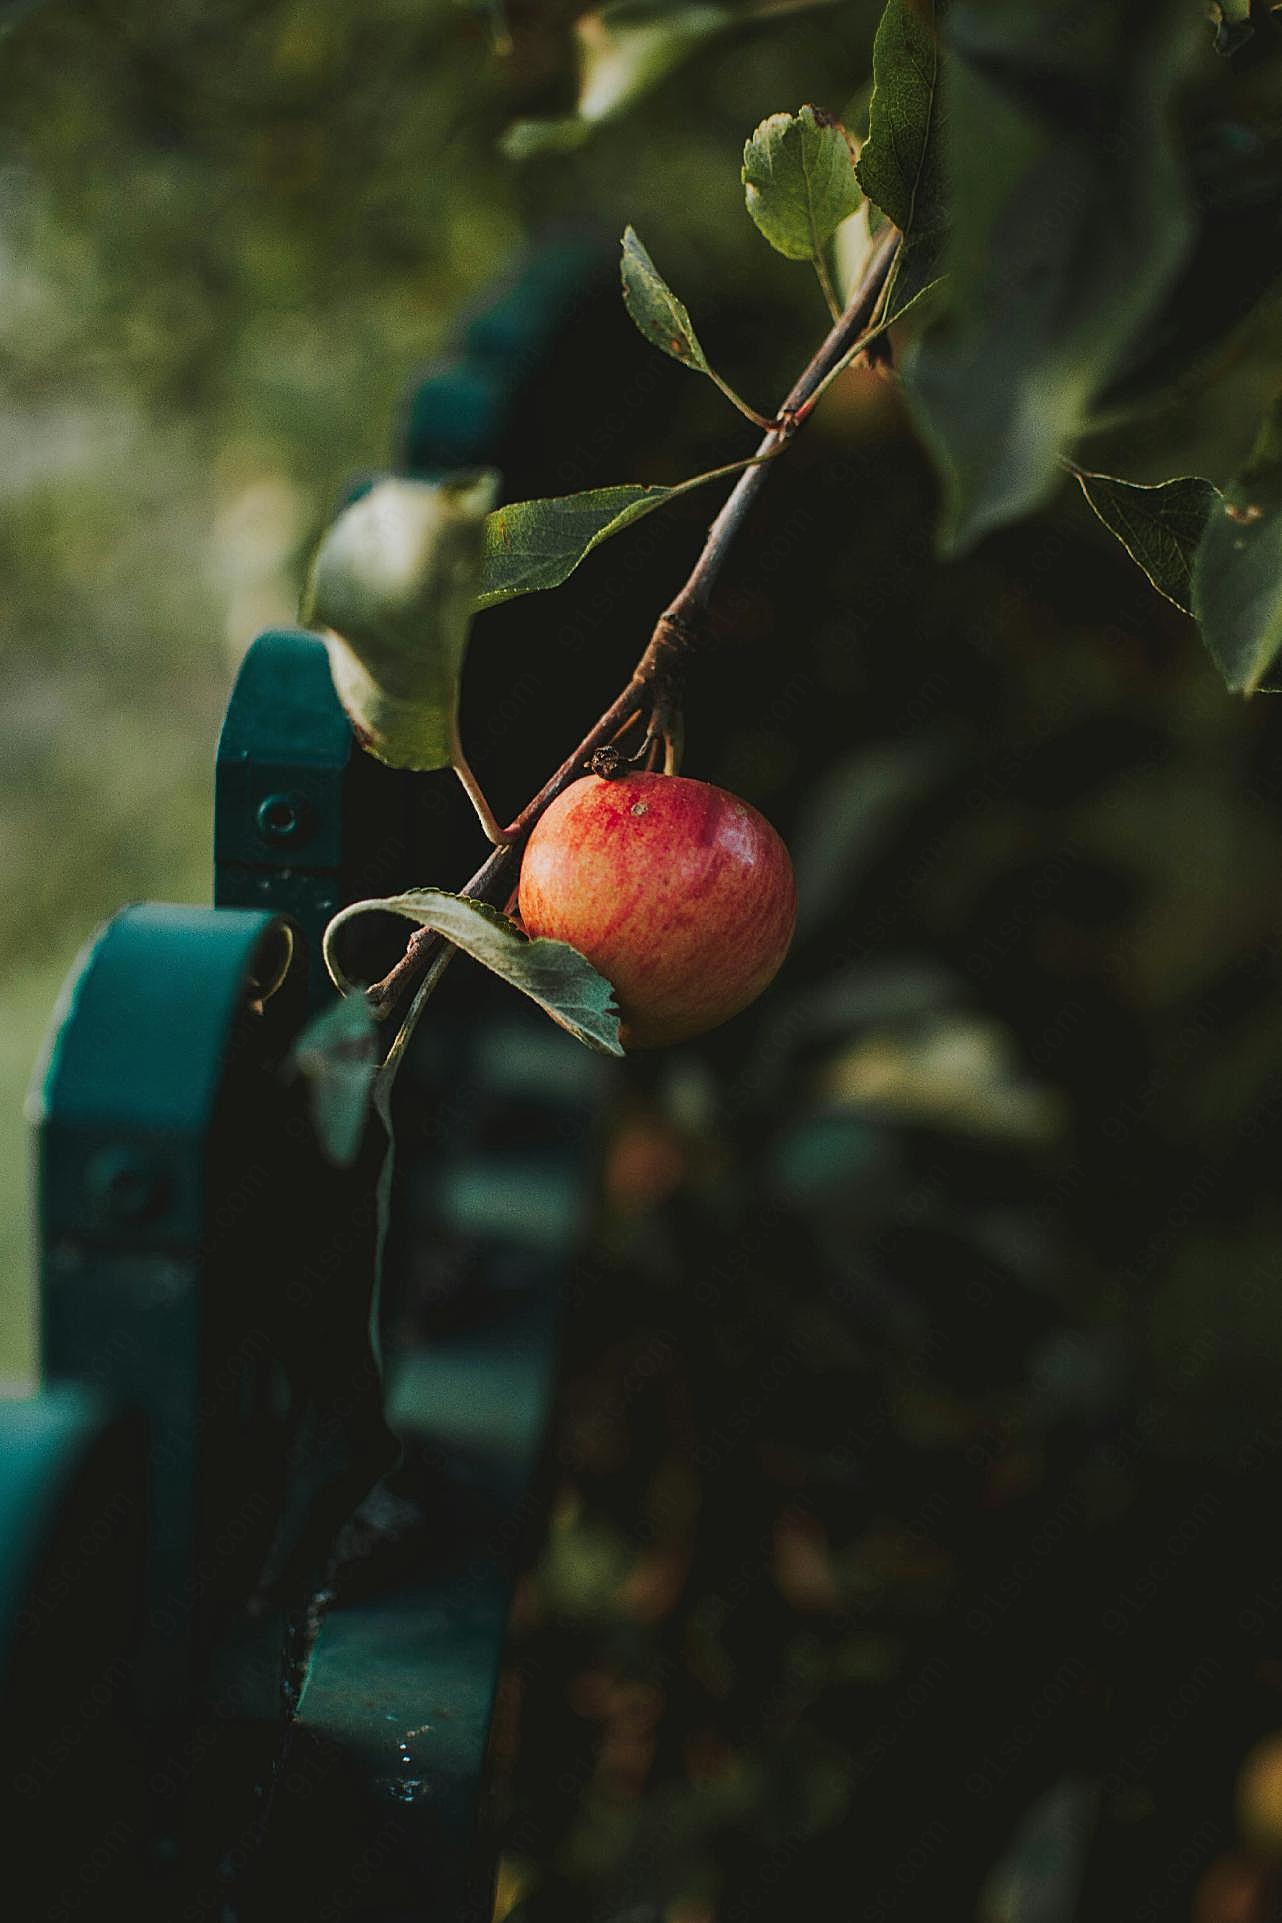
(680,894)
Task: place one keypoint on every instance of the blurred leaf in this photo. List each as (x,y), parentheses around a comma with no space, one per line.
(494,13)
(903,988)
(1214,1372)
(337,1054)
(1069,223)
(799,181)
(1159,527)
(901,164)
(551,973)
(538,544)
(1237,574)
(957,1072)
(584,1564)
(623,51)
(1235,191)
(1232,22)
(1039,1875)
(850,816)
(393,585)
(830,1154)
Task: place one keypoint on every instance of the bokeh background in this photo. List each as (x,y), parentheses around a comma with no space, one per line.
(918,1441)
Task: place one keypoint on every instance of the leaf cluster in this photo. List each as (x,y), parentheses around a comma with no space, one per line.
(1048,163)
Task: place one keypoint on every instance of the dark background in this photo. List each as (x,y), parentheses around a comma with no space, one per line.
(916,1471)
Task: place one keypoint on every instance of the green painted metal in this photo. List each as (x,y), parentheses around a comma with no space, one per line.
(152,1158)
(387,1760)
(71,1484)
(304,820)
(173,1154)
(202,1264)
(387,1803)
(139,1049)
(43,1441)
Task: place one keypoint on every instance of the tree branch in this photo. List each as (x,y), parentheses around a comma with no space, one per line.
(676,631)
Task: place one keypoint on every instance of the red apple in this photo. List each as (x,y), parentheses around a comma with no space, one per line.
(680,894)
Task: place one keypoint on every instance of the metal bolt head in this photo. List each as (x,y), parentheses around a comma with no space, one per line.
(127,1186)
(284,817)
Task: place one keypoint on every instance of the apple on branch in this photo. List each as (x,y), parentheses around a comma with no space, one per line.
(679,893)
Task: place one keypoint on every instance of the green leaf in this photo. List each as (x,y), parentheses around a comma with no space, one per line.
(538,544)
(551,973)
(1237,575)
(901,164)
(1213,324)
(337,1055)
(663,320)
(1068,226)
(904,74)
(1159,526)
(393,584)
(658,314)
(799,181)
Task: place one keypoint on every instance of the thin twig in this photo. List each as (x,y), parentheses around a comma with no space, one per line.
(675,632)
(689,608)
(425,990)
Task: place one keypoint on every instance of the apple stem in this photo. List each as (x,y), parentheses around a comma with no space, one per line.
(653,689)
(674,736)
